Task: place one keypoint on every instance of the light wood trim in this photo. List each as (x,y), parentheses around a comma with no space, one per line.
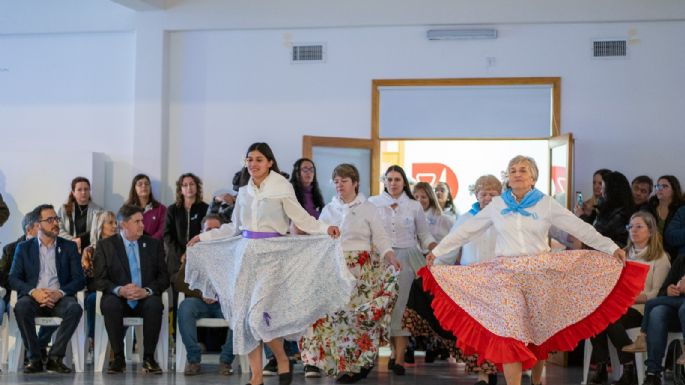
(555,82)
(309,142)
(557,141)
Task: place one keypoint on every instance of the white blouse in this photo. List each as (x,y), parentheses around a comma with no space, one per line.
(438,224)
(404,223)
(521,235)
(267,208)
(480,249)
(359,223)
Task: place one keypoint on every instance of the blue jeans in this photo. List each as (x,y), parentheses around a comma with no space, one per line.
(192,309)
(290,349)
(2,309)
(660,313)
(90,313)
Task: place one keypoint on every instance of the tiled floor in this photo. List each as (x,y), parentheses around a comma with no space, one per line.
(439,373)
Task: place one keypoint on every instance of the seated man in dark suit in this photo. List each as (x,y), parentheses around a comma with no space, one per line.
(46,273)
(131,272)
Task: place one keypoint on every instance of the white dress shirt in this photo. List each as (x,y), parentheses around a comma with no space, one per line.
(405,224)
(523,235)
(267,208)
(360,226)
(47,276)
(438,224)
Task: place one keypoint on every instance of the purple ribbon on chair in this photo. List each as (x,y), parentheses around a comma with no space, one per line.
(259,234)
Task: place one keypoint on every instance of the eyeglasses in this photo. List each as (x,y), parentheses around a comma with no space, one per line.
(660,186)
(307,169)
(51,220)
(636,227)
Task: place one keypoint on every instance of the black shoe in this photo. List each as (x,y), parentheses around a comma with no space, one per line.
(151,366)
(56,365)
(271,368)
(409,356)
(398,369)
(286,378)
(117,365)
(430,356)
(349,378)
(33,367)
(492,379)
(311,371)
(629,376)
(391,363)
(365,371)
(652,379)
(601,375)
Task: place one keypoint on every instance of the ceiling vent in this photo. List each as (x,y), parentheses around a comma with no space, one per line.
(609,48)
(308,53)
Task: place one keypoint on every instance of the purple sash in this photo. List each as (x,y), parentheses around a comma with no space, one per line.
(259,235)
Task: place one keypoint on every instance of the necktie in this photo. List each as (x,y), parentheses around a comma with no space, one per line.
(135,270)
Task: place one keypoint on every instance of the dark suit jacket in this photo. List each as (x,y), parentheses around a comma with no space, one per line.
(6,264)
(26,267)
(112,268)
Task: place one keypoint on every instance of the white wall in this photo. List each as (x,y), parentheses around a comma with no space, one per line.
(189,88)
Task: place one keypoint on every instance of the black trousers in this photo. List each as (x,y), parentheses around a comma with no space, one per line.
(616,332)
(114,309)
(26,311)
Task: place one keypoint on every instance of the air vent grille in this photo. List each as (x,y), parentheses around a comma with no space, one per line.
(609,48)
(308,53)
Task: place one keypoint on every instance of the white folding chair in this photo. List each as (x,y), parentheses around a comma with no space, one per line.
(640,357)
(77,345)
(4,337)
(206,323)
(101,348)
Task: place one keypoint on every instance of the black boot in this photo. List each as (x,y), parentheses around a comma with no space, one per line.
(629,376)
(601,375)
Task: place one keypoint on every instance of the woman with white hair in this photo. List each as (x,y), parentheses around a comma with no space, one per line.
(517,308)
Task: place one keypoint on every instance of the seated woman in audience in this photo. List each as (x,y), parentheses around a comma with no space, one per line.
(444,195)
(183,220)
(105,227)
(306,186)
(155,213)
(419,318)
(588,210)
(615,208)
(77,215)
(644,246)
(664,204)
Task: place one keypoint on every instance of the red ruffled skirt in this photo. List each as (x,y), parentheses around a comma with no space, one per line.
(518,309)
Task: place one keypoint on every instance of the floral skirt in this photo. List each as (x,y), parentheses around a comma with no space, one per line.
(271,288)
(420,321)
(348,340)
(518,309)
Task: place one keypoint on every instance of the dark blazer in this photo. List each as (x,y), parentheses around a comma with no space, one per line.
(112,268)
(6,264)
(26,267)
(179,228)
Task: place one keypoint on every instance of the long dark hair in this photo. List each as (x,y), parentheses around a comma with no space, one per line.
(676,200)
(265,150)
(133,196)
(400,170)
(198,184)
(71,201)
(297,184)
(617,193)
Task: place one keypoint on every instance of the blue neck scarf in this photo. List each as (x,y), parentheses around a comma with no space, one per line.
(529,200)
(475,209)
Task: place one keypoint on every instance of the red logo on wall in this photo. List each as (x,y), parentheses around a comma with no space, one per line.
(559,179)
(432,173)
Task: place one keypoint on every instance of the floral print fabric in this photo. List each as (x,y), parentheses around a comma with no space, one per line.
(348,340)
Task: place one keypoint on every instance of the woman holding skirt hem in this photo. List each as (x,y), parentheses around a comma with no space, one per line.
(345,343)
(516,309)
(252,274)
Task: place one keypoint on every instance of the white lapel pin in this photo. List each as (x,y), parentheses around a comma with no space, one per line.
(144,245)
(59,250)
